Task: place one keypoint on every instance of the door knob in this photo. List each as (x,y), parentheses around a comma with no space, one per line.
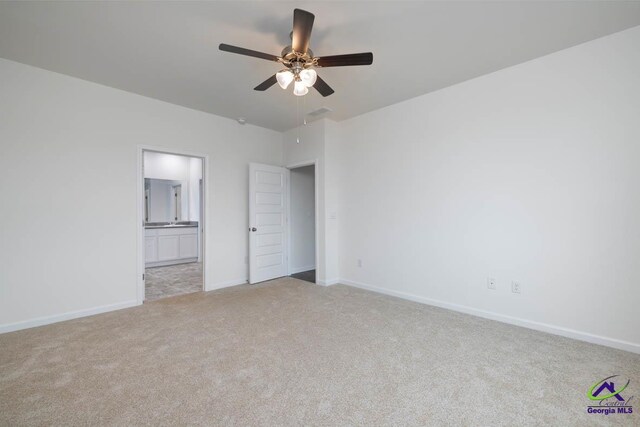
(254,229)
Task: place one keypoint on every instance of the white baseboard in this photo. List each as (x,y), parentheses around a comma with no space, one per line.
(530,324)
(46,320)
(295,270)
(327,282)
(225,284)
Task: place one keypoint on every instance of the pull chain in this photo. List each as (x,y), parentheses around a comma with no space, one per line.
(304,111)
(298,118)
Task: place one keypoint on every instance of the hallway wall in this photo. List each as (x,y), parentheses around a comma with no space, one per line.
(302,219)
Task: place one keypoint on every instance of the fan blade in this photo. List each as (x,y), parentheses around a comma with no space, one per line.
(247,52)
(322,87)
(346,60)
(302,26)
(266,84)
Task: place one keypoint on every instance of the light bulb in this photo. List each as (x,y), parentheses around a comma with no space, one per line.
(308,77)
(299,89)
(284,78)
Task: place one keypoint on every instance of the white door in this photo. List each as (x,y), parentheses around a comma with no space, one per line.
(267,222)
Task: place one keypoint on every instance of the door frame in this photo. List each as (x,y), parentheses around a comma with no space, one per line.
(140,220)
(296,165)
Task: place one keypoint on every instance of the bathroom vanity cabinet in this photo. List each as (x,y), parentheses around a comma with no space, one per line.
(168,245)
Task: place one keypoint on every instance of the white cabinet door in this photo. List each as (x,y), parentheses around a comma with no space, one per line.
(150,249)
(188,246)
(168,247)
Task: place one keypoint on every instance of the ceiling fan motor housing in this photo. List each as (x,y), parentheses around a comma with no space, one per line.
(290,56)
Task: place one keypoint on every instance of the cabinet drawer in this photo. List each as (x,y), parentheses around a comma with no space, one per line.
(150,232)
(176,231)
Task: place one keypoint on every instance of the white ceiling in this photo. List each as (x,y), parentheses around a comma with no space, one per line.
(169,51)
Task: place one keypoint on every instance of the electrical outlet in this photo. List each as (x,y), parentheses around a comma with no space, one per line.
(359,262)
(491,283)
(515,287)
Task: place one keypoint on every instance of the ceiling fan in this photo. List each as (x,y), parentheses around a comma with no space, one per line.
(299,60)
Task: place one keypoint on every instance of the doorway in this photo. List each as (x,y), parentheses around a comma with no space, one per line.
(302,223)
(171,226)
(275,248)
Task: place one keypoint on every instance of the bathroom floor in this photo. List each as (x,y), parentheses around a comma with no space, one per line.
(162,282)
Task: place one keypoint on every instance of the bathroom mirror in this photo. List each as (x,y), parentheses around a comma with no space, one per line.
(164,201)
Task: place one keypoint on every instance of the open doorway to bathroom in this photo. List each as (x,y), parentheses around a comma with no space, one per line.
(173,213)
(302,222)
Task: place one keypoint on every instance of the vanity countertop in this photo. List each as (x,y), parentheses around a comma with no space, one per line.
(179,224)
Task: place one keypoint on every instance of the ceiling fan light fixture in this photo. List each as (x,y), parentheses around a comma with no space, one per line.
(284,78)
(308,77)
(299,89)
(299,60)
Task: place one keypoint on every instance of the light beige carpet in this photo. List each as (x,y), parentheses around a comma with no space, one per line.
(292,353)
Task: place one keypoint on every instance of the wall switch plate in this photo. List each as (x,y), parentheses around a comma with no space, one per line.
(359,262)
(515,287)
(491,283)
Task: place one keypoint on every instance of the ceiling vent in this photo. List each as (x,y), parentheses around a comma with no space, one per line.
(320,111)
